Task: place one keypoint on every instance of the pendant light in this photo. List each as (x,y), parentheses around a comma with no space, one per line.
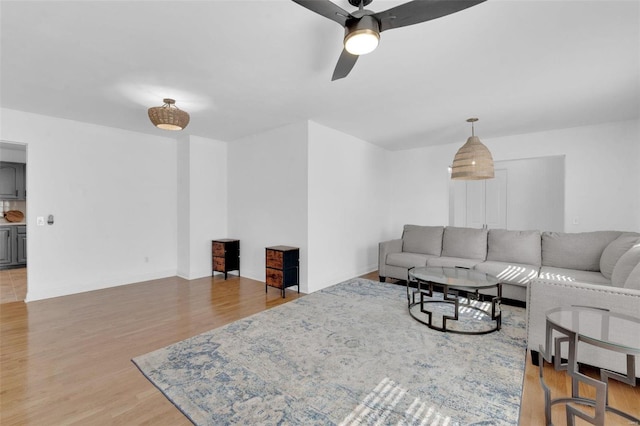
(168,116)
(473,161)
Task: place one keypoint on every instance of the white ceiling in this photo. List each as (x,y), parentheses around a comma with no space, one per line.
(242,67)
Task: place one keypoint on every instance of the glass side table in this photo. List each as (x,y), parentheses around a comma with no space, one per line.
(596,327)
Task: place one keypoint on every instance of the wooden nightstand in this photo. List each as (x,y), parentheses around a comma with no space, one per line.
(282,267)
(225,256)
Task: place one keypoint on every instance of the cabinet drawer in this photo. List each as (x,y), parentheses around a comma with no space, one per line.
(218,249)
(274,259)
(274,277)
(218,264)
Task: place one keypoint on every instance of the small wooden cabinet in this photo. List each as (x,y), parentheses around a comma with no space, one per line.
(225,256)
(282,267)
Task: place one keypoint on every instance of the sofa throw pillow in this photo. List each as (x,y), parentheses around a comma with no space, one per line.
(515,246)
(467,243)
(625,265)
(633,281)
(580,250)
(422,239)
(615,250)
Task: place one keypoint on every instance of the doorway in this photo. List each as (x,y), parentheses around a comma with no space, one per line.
(13,222)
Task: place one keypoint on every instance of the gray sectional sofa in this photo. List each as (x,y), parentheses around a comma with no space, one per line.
(543,269)
(515,257)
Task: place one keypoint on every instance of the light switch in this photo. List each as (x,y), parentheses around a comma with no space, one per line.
(40,220)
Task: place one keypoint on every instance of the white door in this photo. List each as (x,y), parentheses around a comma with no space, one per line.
(475,203)
(486,202)
(496,201)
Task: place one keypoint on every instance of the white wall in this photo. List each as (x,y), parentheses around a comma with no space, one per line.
(183,206)
(113,195)
(202,203)
(602,171)
(267,195)
(602,175)
(208,201)
(534,194)
(348,206)
(420,181)
(15,154)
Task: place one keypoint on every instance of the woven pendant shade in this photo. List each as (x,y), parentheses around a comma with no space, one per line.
(473,161)
(168,116)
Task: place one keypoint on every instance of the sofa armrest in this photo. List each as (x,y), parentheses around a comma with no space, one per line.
(544,295)
(384,248)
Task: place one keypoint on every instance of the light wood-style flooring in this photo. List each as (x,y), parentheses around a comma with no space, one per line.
(13,285)
(67,360)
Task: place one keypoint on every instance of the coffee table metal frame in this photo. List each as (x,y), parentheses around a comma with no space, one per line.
(572,337)
(451,288)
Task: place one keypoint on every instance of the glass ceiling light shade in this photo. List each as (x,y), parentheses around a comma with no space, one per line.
(362,37)
(168,116)
(473,161)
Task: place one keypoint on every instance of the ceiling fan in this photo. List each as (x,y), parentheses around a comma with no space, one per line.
(363,27)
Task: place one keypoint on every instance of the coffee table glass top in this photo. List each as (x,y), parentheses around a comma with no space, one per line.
(600,327)
(454,277)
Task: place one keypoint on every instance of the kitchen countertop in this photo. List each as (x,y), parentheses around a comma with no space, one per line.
(3,222)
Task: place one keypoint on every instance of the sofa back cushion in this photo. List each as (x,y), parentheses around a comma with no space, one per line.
(422,239)
(625,265)
(614,251)
(633,281)
(467,243)
(581,250)
(515,246)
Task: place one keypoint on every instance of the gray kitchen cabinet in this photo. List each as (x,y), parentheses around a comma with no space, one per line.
(5,245)
(13,246)
(12,181)
(21,241)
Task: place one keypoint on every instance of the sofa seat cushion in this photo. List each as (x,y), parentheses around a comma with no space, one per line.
(465,243)
(452,262)
(407,260)
(614,251)
(522,247)
(509,272)
(581,250)
(564,275)
(422,239)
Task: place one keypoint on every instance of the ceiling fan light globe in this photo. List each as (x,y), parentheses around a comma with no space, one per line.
(361,41)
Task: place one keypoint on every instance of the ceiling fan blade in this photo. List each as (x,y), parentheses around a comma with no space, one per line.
(327,9)
(344,65)
(418,11)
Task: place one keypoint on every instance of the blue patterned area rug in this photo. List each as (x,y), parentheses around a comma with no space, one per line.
(349,354)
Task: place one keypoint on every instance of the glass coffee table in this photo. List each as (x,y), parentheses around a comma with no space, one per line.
(453,281)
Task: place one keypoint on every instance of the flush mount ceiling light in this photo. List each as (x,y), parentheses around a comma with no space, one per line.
(473,161)
(168,116)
